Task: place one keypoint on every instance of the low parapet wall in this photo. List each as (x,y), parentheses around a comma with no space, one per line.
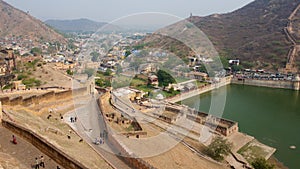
(37,99)
(63,94)
(43,145)
(46,96)
(29,100)
(283,84)
(16,101)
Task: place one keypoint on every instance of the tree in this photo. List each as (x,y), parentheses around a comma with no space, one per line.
(261,163)
(95,56)
(219,148)
(108,72)
(127,53)
(89,72)
(36,51)
(202,68)
(103,82)
(69,72)
(164,78)
(224,61)
(236,68)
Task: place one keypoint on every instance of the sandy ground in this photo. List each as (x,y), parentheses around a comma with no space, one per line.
(181,157)
(20,156)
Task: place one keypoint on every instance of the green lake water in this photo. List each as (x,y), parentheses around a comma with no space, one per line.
(272,116)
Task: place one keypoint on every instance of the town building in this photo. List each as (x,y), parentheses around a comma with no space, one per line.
(153,80)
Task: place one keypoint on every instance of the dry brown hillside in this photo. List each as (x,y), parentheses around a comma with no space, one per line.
(16,23)
(255,33)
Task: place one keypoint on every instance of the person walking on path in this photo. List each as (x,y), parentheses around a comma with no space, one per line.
(14,139)
(42,163)
(37,163)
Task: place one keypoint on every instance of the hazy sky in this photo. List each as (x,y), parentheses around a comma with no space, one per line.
(108,10)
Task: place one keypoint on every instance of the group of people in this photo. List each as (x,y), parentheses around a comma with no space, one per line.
(99,141)
(73,119)
(39,162)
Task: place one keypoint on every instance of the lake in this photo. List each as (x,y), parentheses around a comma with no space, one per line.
(272,116)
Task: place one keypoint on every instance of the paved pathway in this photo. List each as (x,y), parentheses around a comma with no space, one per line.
(88,126)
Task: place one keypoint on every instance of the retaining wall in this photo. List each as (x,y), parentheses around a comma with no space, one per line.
(16,101)
(63,94)
(5,100)
(46,96)
(37,99)
(294,85)
(29,100)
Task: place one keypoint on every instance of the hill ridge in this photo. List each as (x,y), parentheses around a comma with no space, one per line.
(254,34)
(15,23)
(75,25)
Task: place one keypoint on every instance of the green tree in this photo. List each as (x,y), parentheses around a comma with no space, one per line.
(103,82)
(224,61)
(69,72)
(107,72)
(127,53)
(36,51)
(202,68)
(236,68)
(89,72)
(261,163)
(219,148)
(165,78)
(22,76)
(95,56)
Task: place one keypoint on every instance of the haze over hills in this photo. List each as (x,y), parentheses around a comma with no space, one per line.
(76,25)
(255,33)
(18,24)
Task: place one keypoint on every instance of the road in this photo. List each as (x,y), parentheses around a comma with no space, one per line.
(89,125)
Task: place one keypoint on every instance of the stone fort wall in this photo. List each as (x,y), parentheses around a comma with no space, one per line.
(37,99)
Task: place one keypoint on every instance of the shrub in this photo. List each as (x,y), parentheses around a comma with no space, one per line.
(261,163)
(219,148)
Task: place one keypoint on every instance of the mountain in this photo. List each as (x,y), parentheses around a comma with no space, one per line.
(18,24)
(257,34)
(77,25)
